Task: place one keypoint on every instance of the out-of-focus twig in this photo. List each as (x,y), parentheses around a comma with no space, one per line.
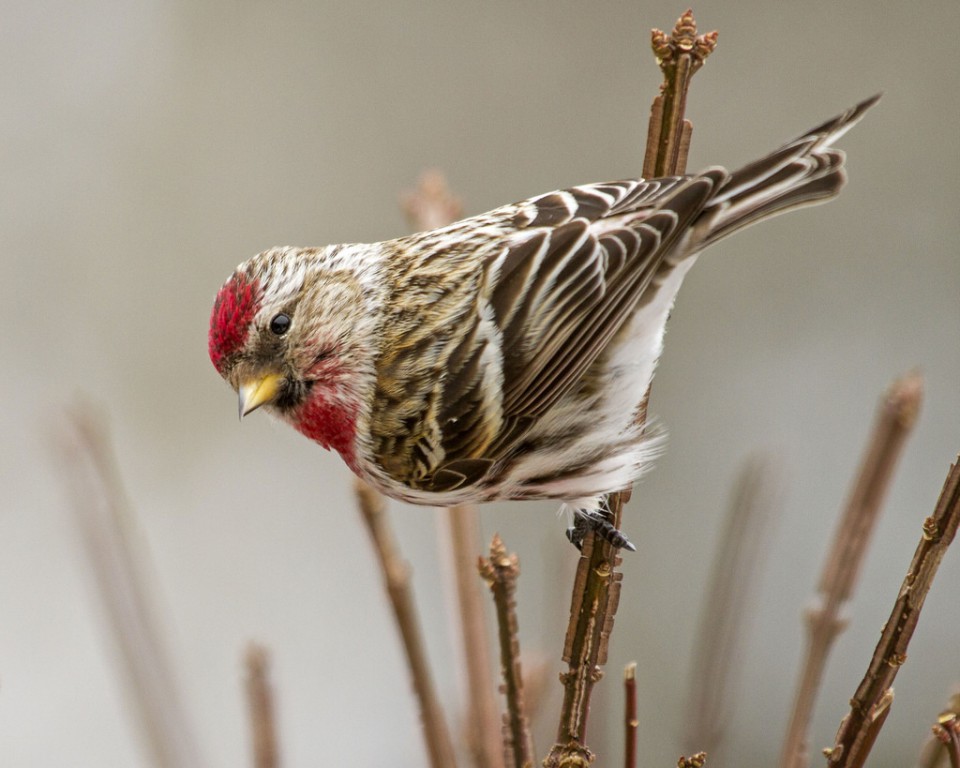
(934,751)
(396,576)
(483,731)
(947,732)
(874,694)
(432,204)
(120,562)
(630,720)
(733,582)
(500,571)
(897,414)
(260,706)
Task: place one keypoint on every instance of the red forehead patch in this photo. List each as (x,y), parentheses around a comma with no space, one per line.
(233,310)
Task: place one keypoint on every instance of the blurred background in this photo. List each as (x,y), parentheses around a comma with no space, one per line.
(146,148)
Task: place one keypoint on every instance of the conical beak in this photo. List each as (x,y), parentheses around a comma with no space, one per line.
(256,392)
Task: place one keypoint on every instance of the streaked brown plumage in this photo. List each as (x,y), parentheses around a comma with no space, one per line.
(501,356)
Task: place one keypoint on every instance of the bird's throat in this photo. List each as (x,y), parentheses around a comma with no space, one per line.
(330,423)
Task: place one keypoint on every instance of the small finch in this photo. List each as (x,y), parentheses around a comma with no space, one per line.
(503,356)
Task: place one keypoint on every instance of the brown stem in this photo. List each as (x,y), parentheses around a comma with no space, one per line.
(596,590)
(679,55)
(396,575)
(500,572)
(260,707)
(859,727)
(935,748)
(894,421)
(483,731)
(120,563)
(630,719)
(732,584)
(596,593)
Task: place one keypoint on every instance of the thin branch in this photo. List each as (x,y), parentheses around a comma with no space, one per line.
(895,419)
(947,732)
(396,575)
(861,724)
(935,749)
(483,722)
(732,585)
(679,55)
(432,204)
(596,589)
(596,594)
(500,572)
(119,560)
(630,719)
(260,706)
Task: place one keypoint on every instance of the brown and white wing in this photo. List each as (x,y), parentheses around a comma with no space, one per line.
(559,289)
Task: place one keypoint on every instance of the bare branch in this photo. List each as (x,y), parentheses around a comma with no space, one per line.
(873,696)
(260,706)
(120,563)
(895,418)
(679,55)
(934,750)
(630,720)
(732,585)
(483,722)
(500,572)
(596,590)
(396,575)
(431,204)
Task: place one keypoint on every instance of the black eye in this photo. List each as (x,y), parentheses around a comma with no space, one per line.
(280,324)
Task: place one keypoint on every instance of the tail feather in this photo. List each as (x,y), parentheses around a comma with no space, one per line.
(805,171)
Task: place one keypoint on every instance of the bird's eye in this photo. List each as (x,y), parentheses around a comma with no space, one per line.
(280,324)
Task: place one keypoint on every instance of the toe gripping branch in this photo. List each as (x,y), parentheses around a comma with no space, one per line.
(599,521)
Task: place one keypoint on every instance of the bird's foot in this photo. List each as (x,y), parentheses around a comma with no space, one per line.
(599,521)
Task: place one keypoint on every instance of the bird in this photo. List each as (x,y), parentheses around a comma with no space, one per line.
(503,356)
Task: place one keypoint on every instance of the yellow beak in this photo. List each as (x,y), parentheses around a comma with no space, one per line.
(255,393)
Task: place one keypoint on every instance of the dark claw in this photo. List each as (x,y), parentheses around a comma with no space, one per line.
(584,521)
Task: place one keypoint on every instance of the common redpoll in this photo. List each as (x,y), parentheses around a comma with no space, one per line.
(503,356)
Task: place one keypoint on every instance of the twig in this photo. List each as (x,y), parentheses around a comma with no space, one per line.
(596,589)
(861,724)
(500,572)
(431,204)
(596,594)
(733,580)
(119,561)
(396,575)
(630,720)
(679,55)
(260,706)
(483,731)
(895,418)
(947,732)
(934,750)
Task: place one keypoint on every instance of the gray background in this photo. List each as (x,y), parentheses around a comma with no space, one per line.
(147,148)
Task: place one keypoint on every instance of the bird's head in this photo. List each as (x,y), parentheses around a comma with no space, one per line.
(286,332)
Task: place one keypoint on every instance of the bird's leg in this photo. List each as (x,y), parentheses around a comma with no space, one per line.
(599,521)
